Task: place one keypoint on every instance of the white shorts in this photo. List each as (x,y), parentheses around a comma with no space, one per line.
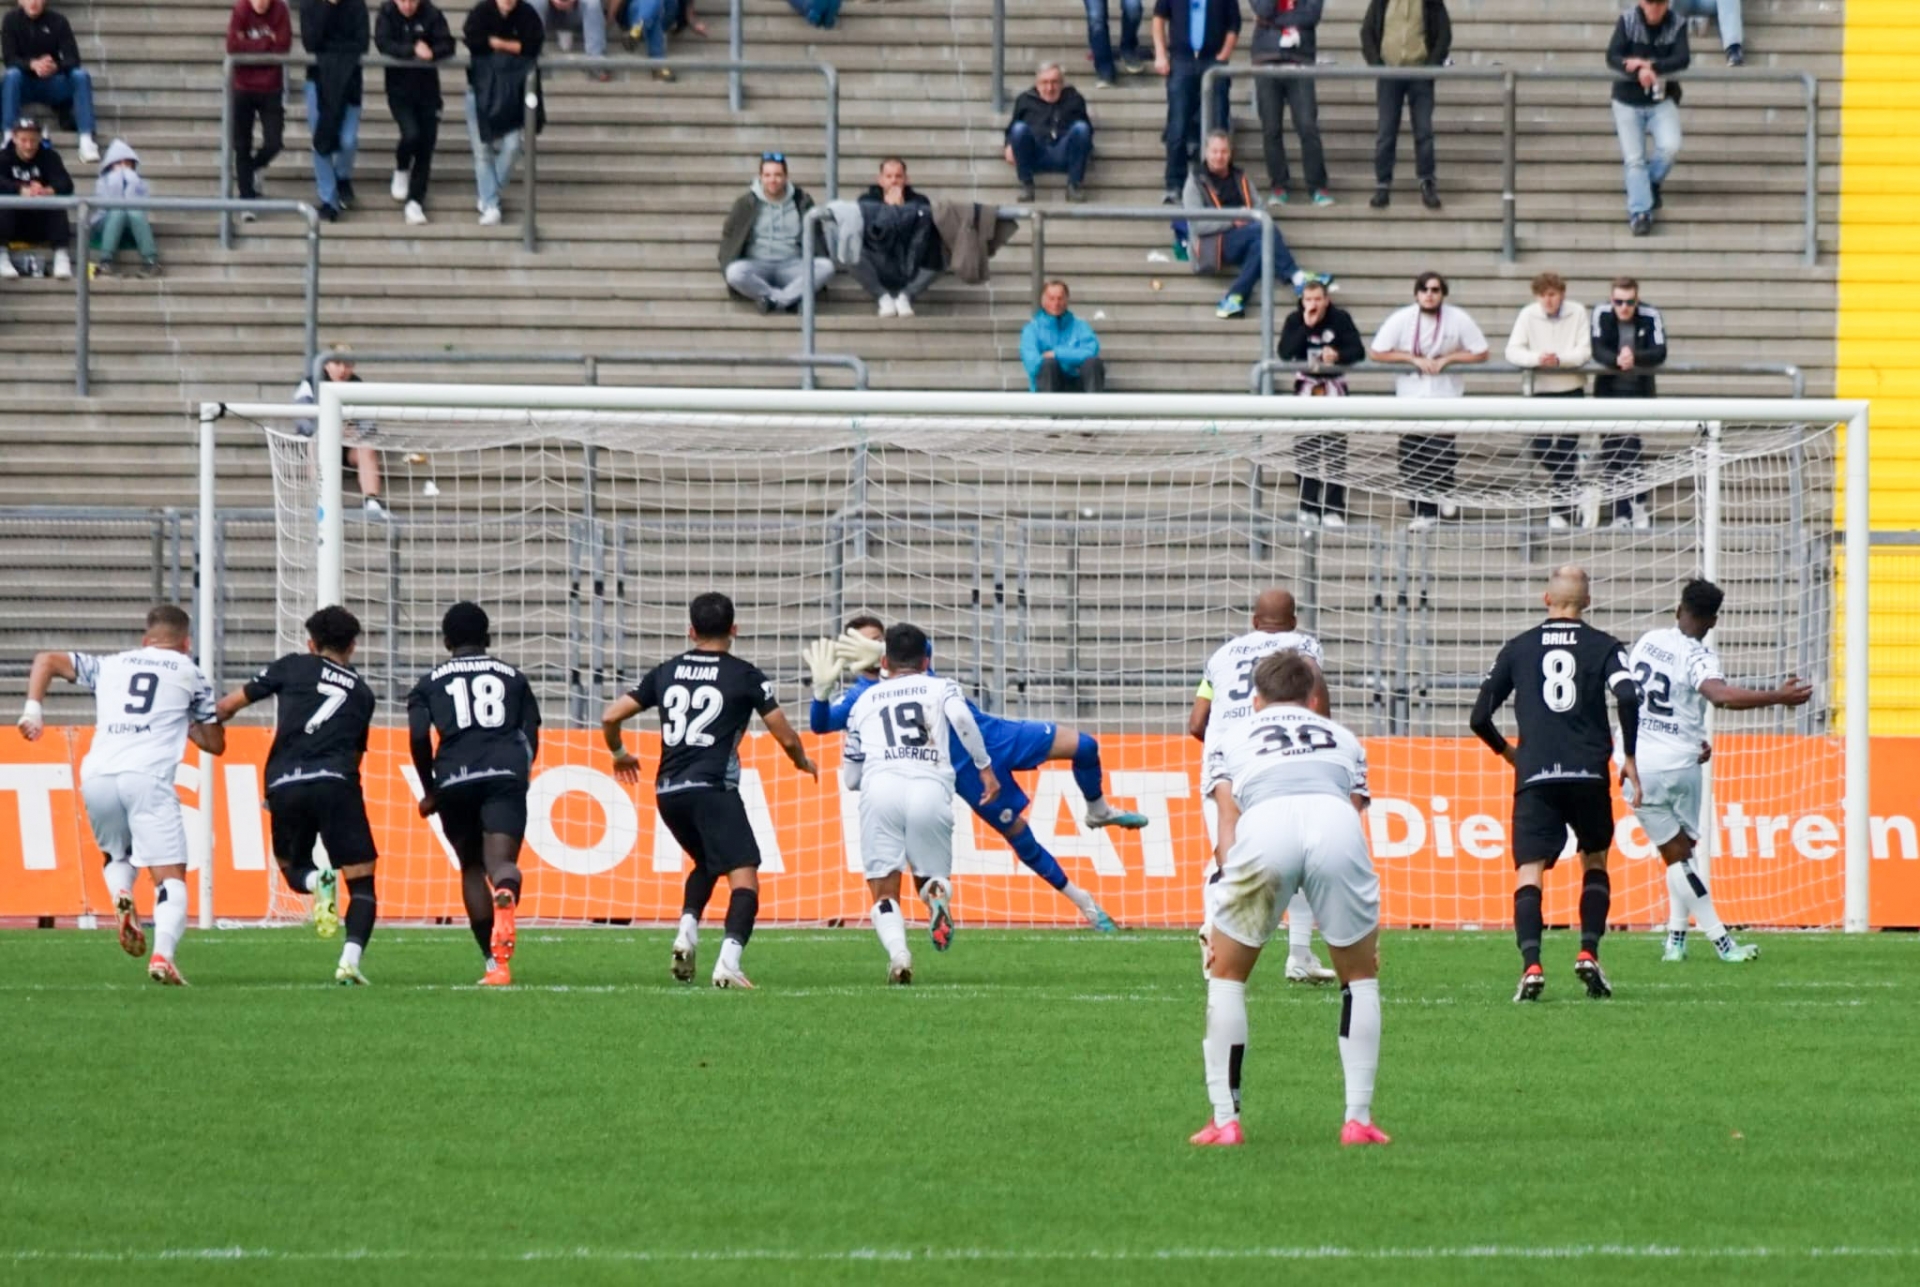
(906,823)
(136,818)
(1312,843)
(1669,804)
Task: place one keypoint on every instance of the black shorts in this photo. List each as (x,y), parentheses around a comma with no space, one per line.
(328,809)
(711,825)
(1542,814)
(494,806)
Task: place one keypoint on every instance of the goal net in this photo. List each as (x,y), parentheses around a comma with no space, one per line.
(1076,569)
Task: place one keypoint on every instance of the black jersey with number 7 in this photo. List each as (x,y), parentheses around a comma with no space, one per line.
(706,701)
(1559,674)
(320,725)
(487,718)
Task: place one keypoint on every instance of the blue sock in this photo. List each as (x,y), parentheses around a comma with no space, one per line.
(1086,768)
(1031,852)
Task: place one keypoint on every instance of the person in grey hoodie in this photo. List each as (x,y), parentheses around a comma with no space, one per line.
(120,177)
(760,242)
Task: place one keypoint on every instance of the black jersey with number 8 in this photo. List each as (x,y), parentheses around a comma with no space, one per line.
(706,701)
(1560,674)
(487,718)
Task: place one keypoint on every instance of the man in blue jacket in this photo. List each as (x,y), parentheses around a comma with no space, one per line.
(1061,352)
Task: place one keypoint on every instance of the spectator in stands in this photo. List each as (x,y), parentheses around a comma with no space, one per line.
(364,459)
(1733,32)
(760,241)
(1189,37)
(413,31)
(1429,335)
(649,21)
(563,18)
(1050,132)
(1100,40)
(1061,352)
(259,93)
(503,39)
(1405,33)
(899,247)
(1630,340)
(1317,332)
(120,177)
(819,13)
(336,33)
(29,168)
(1550,339)
(1284,35)
(43,66)
(1214,246)
(1649,45)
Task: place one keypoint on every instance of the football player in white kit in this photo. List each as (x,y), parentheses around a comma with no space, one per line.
(1678,675)
(148,702)
(1224,701)
(895,756)
(1299,784)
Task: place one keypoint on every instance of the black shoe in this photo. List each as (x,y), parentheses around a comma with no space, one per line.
(1588,968)
(1381,198)
(1170,198)
(1026,192)
(1641,224)
(1076,193)
(330,213)
(344,196)
(764,304)
(1429,194)
(1657,202)
(1736,56)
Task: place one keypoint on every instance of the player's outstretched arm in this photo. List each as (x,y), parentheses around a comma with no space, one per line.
(46,666)
(967,729)
(776,722)
(232,704)
(626,765)
(1795,692)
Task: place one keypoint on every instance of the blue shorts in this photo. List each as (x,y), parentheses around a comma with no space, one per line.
(1007,807)
(1015,743)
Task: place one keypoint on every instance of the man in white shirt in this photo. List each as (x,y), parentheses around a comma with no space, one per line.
(1430,336)
(1551,339)
(895,755)
(148,703)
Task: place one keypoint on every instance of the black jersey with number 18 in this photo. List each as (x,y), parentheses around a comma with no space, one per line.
(1559,674)
(487,718)
(706,701)
(320,725)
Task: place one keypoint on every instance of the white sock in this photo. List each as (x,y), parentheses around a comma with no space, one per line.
(1679,898)
(689,930)
(1079,898)
(1099,809)
(1225,1046)
(169,917)
(119,879)
(891,925)
(350,956)
(730,954)
(1710,922)
(1299,928)
(1360,1045)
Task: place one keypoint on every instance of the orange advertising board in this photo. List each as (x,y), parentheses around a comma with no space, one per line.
(596,850)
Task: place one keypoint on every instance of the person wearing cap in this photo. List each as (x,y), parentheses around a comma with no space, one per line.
(29,168)
(760,241)
(338,368)
(43,66)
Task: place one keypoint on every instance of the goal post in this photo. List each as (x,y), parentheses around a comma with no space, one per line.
(1076,558)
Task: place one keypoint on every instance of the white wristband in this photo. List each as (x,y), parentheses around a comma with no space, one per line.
(30,711)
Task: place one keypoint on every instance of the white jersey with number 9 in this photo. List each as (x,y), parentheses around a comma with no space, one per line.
(144,701)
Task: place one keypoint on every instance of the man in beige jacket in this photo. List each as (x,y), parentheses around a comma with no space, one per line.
(1550,339)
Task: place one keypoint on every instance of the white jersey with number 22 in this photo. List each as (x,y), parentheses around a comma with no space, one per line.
(1670,666)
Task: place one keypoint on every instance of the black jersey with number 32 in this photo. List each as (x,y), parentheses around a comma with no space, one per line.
(485,713)
(320,727)
(706,701)
(1559,674)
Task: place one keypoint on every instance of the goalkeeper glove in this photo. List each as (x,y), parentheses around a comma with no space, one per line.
(821,659)
(857,652)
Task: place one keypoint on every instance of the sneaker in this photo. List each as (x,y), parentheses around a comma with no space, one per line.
(631,41)
(1101,922)
(1423,523)
(1327,280)
(1362,1133)
(1533,981)
(1429,194)
(1449,509)
(902,305)
(763,306)
(1321,197)
(1332,521)
(149,269)
(133,939)
(1658,201)
(1309,971)
(1736,57)
(1076,194)
(666,74)
(1026,192)
(490,216)
(940,926)
(1131,66)
(414,214)
(1640,225)
(343,195)
(1676,950)
(1381,199)
(349,976)
(1621,522)
(498,975)
(1214,1135)
(1230,306)
(90,151)
(329,213)
(1557,523)
(683,961)
(372,507)
(725,978)
(1108,816)
(246,216)
(1587,966)
(1642,519)
(1309,518)
(1278,197)
(900,973)
(62,266)
(161,970)
(1739,952)
(326,903)
(887,307)
(7,269)
(505,910)
(398,188)
(1169,198)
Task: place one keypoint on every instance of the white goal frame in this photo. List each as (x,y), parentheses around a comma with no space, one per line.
(1365,414)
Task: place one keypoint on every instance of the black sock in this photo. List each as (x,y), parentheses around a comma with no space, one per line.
(1596,900)
(741,910)
(511,883)
(698,892)
(1527,925)
(297,876)
(362,908)
(479,902)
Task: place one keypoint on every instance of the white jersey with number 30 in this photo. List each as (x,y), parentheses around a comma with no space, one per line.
(1670,666)
(143,702)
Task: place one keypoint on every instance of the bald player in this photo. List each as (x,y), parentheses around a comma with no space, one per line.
(1224,703)
(1560,674)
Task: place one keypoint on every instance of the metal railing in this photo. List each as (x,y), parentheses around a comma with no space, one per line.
(1039,217)
(1260,378)
(80,208)
(1509,78)
(592,362)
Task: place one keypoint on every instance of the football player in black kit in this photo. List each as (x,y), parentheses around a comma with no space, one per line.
(707,697)
(1560,674)
(313,777)
(489,726)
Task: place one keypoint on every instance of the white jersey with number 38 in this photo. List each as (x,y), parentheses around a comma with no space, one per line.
(1288,750)
(1670,666)
(143,702)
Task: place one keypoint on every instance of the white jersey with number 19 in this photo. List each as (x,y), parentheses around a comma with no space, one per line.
(144,700)
(1670,666)
(898,729)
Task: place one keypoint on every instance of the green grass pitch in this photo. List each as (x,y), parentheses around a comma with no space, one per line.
(1019,1115)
